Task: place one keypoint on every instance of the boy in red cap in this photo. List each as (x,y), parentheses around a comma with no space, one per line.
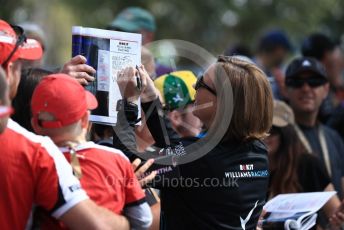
(32,169)
(60,110)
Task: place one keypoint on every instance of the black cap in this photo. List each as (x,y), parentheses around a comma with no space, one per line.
(305,64)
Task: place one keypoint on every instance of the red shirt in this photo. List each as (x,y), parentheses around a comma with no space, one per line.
(107,176)
(33,171)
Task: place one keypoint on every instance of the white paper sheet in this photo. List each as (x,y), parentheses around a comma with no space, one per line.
(298,202)
(122,50)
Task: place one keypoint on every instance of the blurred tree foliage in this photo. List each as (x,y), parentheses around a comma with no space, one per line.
(212,24)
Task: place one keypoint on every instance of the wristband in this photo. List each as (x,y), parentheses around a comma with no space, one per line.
(130,110)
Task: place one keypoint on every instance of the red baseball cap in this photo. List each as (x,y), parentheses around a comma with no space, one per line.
(30,50)
(64,98)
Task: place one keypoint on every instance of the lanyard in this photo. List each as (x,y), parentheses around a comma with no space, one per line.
(74,159)
(75,163)
(323,145)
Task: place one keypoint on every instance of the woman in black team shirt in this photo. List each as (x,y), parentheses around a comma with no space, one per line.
(235,98)
(292,169)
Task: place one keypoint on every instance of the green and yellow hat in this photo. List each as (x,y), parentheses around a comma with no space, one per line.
(176,88)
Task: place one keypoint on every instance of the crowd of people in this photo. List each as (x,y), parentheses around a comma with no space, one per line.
(249,128)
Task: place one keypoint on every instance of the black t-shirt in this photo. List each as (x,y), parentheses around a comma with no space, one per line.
(335,149)
(312,174)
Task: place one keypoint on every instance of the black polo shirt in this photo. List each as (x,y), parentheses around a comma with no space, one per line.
(225,189)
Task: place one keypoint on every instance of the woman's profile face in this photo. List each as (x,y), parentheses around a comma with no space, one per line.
(205,101)
(273,141)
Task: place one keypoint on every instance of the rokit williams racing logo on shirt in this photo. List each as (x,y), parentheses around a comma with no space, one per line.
(247,171)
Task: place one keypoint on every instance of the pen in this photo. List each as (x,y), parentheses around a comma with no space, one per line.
(138,78)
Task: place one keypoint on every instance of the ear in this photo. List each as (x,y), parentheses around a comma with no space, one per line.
(9,70)
(89,128)
(84,120)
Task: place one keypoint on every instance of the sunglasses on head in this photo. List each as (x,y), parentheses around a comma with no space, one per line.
(21,39)
(311,81)
(201,84)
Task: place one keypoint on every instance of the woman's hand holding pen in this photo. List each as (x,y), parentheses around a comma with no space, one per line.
(135,81)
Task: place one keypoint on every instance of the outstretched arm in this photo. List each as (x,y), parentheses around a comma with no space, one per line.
(156,120)
(87,215)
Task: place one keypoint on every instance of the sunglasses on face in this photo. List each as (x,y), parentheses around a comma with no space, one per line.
(201,84)
(21,39)
(311,81)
